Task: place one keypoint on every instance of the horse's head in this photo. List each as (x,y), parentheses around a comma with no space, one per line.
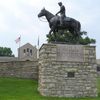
(42,13)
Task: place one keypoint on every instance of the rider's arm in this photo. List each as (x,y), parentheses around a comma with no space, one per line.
(57,12)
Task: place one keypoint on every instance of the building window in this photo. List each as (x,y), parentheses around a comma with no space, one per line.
(98,68)
(71,74)
(31,51)
(24,51)
(27,49)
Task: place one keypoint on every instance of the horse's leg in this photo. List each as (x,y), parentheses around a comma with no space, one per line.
(50,32)
(53,30)
(77,29)
(77,35)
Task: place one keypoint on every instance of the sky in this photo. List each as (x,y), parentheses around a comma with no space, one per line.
(19,18)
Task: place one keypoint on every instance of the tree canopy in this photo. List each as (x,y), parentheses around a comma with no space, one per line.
(68,38)
(4,51)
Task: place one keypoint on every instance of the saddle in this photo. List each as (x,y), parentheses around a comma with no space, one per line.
(67,19)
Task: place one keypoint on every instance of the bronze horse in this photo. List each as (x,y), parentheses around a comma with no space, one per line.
(70,24)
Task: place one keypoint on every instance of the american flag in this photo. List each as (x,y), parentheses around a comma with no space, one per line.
(18,40)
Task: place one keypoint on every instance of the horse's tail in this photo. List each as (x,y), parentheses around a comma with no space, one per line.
(79,26)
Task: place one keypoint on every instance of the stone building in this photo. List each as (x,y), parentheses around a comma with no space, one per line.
(27,52)
(25,67)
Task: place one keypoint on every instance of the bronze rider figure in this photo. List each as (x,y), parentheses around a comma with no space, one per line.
(62,12)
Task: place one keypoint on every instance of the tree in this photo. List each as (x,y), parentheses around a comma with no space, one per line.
(4,51)
(64,36)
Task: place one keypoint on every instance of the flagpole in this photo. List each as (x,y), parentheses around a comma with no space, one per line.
(18,40)
(19,49)
(19,46)
(38,49)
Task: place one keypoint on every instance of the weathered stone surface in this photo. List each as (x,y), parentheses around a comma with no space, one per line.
(53,71)
(21,69)
(70,52)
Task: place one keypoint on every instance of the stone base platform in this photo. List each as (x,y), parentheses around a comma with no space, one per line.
(67,70)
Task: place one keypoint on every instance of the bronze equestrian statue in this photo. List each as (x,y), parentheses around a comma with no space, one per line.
(61,22)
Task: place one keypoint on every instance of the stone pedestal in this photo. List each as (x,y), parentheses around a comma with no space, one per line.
(67,70)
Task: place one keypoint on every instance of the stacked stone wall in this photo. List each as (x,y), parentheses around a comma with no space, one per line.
(20,69)
(67,78)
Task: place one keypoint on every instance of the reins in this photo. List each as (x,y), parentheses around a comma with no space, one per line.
(42,19)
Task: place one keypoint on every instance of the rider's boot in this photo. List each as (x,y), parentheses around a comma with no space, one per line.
(61,23)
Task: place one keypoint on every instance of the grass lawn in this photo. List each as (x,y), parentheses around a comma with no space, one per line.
(25,89)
